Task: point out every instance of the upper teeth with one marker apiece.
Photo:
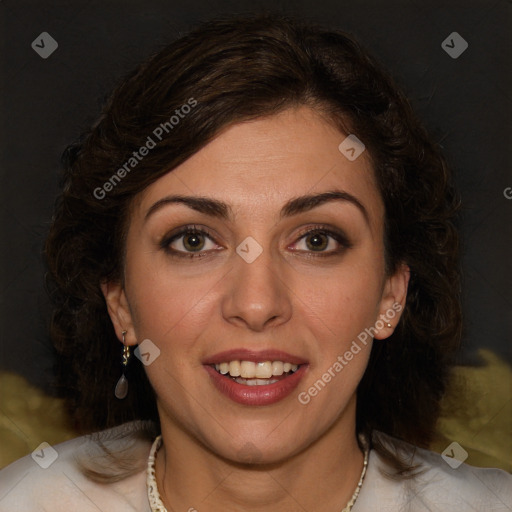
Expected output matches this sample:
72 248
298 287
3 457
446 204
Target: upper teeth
250 369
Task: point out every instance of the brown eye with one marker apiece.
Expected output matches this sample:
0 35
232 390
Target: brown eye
317 242
189 242
193 242
322 241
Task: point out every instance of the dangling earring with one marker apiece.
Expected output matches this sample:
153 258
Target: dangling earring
122 384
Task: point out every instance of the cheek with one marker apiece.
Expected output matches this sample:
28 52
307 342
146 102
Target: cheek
336 311
344 300
166 305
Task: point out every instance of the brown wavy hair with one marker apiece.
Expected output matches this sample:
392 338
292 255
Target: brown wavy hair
239 69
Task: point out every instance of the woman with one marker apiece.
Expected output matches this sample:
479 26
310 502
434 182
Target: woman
255 273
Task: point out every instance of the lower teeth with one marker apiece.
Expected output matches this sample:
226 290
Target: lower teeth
255 382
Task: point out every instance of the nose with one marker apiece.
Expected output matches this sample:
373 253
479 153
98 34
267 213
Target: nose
256 296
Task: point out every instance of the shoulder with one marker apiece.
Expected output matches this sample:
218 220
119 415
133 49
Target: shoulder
437 486
51 478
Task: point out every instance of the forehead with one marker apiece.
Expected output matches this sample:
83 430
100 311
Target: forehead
257 166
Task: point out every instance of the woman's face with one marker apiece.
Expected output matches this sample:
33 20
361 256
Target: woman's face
264 247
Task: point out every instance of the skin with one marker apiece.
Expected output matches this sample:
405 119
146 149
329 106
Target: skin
289 298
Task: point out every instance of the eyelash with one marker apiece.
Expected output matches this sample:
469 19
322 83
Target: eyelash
187 230
338 236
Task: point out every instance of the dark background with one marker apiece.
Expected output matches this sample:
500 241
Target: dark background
46 103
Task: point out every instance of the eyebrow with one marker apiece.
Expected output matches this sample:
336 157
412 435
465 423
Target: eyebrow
211 207
308 202
222 210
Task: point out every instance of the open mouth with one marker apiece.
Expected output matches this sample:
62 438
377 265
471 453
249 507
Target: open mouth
260 373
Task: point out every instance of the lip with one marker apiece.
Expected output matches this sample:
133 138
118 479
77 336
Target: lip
253 355
256 395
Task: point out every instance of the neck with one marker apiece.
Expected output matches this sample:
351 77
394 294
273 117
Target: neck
321 477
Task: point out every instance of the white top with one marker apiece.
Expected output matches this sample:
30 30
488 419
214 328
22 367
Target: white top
26 486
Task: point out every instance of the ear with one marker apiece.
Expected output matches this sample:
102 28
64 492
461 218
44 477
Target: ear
393 302
119 311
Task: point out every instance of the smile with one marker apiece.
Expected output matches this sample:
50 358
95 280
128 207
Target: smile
261 373
255 383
